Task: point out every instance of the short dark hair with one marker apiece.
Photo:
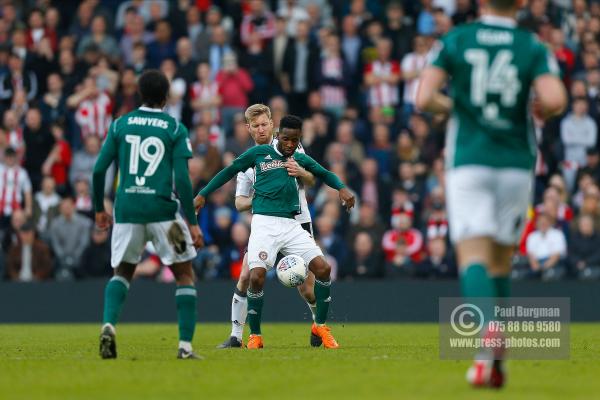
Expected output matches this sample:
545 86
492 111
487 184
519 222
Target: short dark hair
502 4
154 88
10 152
290 122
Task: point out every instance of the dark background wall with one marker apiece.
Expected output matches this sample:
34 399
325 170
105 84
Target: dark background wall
394 301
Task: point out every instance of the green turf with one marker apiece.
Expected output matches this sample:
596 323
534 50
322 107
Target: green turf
391 361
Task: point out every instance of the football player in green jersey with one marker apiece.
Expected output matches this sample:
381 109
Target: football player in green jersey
492 68
260 124
275 204
151 149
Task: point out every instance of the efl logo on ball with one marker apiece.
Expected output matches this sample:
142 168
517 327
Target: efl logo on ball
292 271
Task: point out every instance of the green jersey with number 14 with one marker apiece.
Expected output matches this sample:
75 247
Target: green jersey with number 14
146 141
492 65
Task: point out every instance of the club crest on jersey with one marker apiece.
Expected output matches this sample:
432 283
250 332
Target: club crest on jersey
266 166
263 255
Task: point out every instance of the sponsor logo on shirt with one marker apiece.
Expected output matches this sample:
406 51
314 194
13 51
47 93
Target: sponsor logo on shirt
266 166
139 187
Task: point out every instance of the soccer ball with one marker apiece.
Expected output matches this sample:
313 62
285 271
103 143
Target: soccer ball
292 271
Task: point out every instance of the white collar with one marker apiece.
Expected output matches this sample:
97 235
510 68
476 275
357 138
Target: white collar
497 20
274 145
144 108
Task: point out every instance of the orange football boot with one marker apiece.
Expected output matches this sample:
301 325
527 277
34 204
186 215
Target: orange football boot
255 342
324 332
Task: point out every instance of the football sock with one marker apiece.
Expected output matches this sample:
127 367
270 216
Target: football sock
239 312
255 305
313 309
185 299
114 297
475 282
322 291
502 285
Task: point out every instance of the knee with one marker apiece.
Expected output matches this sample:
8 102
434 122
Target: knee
257 278
125 271
320 268
184 273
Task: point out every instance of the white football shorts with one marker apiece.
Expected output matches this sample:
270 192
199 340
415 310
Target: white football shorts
128 242
271 235
487 202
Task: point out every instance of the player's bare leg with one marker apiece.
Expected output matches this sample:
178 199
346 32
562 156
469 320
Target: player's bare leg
255 304
322 288
307 291
485 272
186 300
239 308
115 294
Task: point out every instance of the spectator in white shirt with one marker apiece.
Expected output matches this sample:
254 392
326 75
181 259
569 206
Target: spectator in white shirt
546 249
578 132
15 188
412 65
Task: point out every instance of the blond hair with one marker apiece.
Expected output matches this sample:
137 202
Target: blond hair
256 110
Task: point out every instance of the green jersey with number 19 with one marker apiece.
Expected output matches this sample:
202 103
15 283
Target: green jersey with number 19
146 141
491 65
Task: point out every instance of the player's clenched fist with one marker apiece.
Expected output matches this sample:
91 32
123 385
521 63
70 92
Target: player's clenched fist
103 220
199 202
197 236
347 198
293 168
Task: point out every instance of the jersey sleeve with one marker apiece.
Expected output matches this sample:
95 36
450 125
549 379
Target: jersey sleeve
544 61
107 154
182 147
317 170
440 54
242 163
244 183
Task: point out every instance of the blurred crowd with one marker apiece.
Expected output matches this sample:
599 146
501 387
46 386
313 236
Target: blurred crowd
350 69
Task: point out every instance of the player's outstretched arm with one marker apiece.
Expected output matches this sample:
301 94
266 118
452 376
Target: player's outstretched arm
105 158
242 163
328 177
184 190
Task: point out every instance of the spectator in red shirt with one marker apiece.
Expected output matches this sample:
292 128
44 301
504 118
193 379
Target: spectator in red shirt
234 85
381 78
403 230
204 94
94 109
258 20
37 31
59 161
564 55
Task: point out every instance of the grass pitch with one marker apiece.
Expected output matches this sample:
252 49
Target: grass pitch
378 361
